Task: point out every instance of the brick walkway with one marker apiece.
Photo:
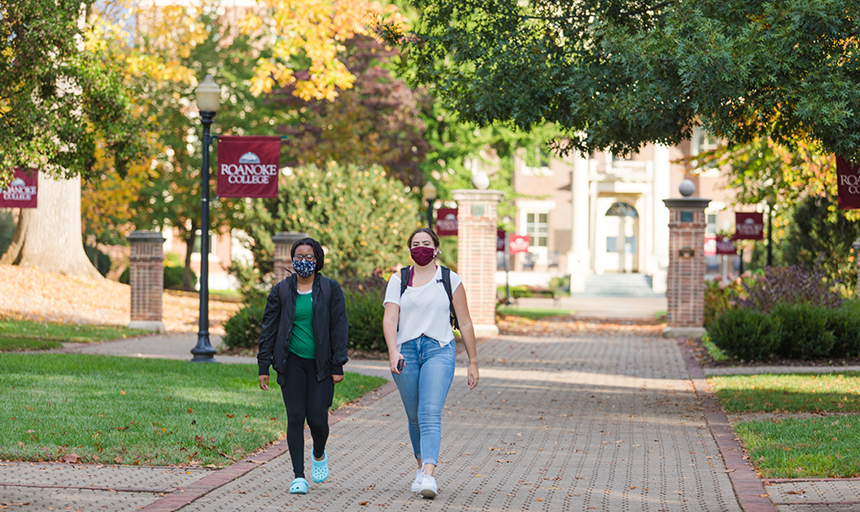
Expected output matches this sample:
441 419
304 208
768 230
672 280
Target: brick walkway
588 422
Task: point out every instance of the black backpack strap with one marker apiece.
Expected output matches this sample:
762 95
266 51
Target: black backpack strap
404 279
446 282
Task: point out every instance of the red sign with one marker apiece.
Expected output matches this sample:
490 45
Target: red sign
519 243
248 166
848 182
749 226
446 222
500 240
22 192
725 246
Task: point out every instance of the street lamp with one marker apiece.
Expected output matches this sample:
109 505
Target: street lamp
770 202
508 221
428 191
208 100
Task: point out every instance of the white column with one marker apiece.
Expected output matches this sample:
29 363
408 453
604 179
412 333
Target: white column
578 257
659 259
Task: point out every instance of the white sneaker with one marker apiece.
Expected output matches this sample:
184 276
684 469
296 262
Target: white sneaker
419 477
428 487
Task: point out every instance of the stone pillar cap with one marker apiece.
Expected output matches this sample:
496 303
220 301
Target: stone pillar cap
687 203
466 194
286 236
146 236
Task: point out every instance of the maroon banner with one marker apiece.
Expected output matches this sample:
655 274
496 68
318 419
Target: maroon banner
500 240
519 243
446 222
248 166
22 192
749 226
848 181
725 246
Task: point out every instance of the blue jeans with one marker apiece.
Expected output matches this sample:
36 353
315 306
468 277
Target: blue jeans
423 386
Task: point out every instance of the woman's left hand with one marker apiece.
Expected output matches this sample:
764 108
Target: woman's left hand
472 374
337 378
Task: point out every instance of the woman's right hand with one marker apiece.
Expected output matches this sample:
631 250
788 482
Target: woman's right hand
393 359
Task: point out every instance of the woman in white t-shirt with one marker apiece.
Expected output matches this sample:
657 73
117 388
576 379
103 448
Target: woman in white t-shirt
420 341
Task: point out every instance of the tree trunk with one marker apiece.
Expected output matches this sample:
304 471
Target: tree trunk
189 246
49 237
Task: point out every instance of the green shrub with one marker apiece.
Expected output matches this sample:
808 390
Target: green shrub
99 259
364 310
243 329
172 277
803 330
845 324
7 230
745 334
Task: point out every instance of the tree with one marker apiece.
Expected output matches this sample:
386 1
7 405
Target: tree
360 215
60 103
377 121
617 75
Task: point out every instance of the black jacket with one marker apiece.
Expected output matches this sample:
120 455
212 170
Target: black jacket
330 328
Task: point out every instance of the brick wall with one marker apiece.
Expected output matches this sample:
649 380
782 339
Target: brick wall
476 263
686 273
146 275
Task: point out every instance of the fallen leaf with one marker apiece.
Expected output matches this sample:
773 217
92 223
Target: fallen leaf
121 392
71 458
362 503
118 459
189 410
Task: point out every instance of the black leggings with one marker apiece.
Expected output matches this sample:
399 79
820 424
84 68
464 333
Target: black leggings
305 397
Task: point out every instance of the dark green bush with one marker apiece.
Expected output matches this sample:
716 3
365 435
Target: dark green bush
99 259
364 310
745 334
7 230
845 324
803 332
242 330
172 278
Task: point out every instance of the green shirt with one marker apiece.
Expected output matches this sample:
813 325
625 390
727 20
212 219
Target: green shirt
302 340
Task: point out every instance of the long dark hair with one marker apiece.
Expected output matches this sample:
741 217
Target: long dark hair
429 231
319 254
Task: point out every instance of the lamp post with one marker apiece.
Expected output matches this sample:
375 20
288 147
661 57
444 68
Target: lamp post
428 191
508 221
208 100
770 202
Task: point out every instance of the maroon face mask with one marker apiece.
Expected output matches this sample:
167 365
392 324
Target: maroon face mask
422 255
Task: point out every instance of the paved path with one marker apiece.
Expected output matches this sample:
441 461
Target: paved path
588 422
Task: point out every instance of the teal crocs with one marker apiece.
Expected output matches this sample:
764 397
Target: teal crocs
299 486
319 468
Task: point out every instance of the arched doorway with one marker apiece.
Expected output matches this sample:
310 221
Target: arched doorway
620 226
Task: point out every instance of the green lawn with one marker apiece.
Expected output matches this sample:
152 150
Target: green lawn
18 335
141 411
808 392
797 447
803 447
533 313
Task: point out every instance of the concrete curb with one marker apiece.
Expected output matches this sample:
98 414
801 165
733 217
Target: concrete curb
748 487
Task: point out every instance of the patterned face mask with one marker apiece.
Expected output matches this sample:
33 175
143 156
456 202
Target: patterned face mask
304 268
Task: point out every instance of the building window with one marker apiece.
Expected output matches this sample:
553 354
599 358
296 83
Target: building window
611 244
711 229
537 227
197 243
621 210
536 161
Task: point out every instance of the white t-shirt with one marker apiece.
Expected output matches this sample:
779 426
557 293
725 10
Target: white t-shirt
424 310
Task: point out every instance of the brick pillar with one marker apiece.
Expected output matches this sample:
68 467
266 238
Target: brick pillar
686 274
146 277
476 264
283 243
856 246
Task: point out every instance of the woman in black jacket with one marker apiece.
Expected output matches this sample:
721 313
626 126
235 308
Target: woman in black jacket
303 338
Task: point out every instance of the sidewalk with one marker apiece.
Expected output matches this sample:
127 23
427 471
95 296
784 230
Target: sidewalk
587 422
